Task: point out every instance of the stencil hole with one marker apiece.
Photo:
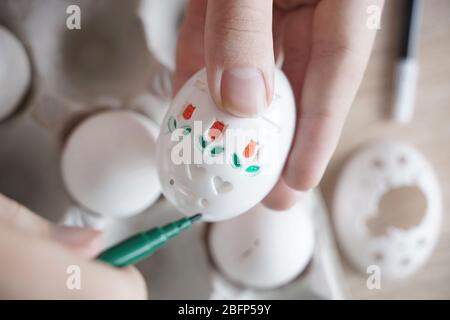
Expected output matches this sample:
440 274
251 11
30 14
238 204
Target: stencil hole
378 163
421 242
402 160
203 203
404 262
221 186
399 208
378 256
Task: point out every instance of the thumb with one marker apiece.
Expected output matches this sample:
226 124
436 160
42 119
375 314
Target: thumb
239 55
86 242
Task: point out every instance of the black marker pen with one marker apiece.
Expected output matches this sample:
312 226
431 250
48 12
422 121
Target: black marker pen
407 70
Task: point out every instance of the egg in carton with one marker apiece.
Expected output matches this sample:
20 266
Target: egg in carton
263 249
15 73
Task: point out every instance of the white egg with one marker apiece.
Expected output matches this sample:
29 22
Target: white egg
263 249
15 73
388 209
161 21
108 163
212 162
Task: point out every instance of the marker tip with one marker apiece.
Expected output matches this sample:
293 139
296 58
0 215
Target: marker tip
195 217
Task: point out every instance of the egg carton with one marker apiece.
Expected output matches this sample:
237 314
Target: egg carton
107 65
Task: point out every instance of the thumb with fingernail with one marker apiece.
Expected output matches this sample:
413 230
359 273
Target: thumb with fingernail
239 55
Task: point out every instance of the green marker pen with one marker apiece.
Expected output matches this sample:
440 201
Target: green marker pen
144 244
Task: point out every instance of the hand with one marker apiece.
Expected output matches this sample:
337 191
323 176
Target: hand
326 45
35 256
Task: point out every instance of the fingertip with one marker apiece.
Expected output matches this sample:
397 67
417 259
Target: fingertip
90 248
281 197
315 141
75 236
122 284
137 289
280 203
302 178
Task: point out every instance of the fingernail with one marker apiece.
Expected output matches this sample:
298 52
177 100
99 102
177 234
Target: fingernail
73 235
243 91
86 242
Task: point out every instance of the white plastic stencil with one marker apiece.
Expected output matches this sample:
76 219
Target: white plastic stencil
108 163
15 73
387 209
262 248
212 162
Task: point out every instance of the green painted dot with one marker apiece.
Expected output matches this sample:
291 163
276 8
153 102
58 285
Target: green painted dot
202 142
186 130
171 124
252 170
214 151
235 162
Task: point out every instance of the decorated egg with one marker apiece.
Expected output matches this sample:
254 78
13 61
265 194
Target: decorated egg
108 163
15 73
261 248
387 210
212 162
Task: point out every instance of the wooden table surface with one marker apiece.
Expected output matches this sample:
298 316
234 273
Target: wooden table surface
429 132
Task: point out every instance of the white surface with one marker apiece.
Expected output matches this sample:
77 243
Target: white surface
262 248
358 192
15 73
199 182
407 74
108 163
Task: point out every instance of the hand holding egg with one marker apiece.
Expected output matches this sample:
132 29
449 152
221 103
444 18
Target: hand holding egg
262 248
108 163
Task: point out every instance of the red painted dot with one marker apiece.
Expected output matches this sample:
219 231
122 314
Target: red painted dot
249 150
188 111
216 130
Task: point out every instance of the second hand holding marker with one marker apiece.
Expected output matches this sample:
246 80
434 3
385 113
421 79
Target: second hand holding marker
144 244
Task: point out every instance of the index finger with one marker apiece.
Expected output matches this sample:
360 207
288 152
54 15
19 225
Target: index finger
326 85
190 47
39 268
